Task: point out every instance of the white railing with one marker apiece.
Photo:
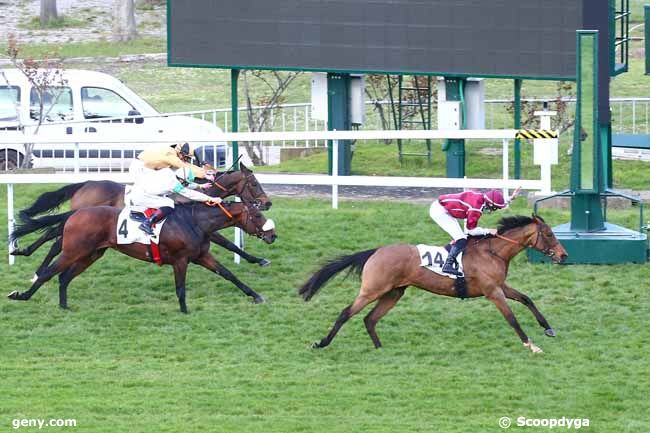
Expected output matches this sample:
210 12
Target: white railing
334 180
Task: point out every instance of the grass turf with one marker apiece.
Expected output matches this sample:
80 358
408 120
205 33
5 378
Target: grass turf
123 358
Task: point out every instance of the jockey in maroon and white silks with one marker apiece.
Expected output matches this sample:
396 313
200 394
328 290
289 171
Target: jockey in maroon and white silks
468 206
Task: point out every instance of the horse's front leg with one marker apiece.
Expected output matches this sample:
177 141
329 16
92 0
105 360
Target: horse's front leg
499 299
516 295
209 262
220 240
180 270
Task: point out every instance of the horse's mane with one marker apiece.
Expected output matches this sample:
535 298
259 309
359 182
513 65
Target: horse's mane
509 223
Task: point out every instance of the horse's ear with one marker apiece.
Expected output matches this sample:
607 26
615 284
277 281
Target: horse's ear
242 167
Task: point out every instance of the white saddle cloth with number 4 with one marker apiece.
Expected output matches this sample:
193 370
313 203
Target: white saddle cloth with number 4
433 258
128 231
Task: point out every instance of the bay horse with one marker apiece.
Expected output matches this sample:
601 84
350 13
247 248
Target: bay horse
387 271
241 183
184 239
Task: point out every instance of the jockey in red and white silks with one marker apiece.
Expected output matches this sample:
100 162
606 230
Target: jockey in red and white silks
468 206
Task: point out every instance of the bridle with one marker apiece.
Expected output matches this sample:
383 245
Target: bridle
546 249
233 189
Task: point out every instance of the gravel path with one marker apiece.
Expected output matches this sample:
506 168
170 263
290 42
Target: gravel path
14 14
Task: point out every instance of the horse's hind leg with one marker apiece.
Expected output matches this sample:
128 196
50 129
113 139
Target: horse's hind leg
359 303
73 271
56 248
56 268
384 304
516 295
29 250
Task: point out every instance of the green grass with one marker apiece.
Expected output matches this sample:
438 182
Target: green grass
63 22
91 49
124 360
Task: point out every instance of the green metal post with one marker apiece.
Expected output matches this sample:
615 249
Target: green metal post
234 110
587 180
646 9
517 108
338 114
455 148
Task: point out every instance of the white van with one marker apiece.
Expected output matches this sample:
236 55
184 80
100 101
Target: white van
88 96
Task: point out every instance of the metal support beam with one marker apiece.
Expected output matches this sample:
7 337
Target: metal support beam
454 88
338 114
517 119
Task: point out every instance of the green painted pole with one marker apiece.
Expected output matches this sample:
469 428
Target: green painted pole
517 119
234 111
455 149
646 9
338 118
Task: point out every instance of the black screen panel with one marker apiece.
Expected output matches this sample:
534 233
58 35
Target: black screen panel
509 38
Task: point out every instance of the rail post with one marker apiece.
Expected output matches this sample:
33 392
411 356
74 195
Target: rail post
335 174
10 218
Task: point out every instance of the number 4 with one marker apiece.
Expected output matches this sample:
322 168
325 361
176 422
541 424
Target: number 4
122 231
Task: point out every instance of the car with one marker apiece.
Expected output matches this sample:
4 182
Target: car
77 107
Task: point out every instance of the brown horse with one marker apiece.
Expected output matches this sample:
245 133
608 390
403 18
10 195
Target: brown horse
387 271
185 238
241 183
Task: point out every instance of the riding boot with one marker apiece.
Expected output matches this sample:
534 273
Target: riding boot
157 216
456 248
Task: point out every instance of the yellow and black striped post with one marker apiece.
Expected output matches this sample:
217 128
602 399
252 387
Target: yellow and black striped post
530 134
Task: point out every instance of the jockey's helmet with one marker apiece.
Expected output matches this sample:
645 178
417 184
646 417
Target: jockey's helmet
186 152
494 199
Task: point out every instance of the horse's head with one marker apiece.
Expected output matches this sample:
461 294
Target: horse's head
251 191
253 222
243 184
543 240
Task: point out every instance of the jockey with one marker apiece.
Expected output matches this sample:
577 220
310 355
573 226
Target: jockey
469 206
155 178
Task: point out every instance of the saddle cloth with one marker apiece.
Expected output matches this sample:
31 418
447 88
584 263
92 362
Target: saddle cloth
433 258
128 231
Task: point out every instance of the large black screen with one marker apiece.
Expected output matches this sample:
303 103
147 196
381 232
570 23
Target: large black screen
509 38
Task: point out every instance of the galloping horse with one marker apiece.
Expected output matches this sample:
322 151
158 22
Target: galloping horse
107 193
387 271
184 238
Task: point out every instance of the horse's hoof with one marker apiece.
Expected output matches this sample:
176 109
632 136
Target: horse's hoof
15 253
533 347
316 345
13 295
64 307
549 332
259 299
264 262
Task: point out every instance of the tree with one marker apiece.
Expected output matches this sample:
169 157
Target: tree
48 12
46 79
258 119
124 20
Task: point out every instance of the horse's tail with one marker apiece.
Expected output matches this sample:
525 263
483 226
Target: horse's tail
50 201
32 225
355 262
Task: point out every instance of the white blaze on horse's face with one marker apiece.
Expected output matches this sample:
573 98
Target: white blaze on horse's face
268 225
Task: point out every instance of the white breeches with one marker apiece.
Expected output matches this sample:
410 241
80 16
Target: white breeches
138 198
448 223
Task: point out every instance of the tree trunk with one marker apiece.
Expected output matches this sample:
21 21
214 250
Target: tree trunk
48 11
124 20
